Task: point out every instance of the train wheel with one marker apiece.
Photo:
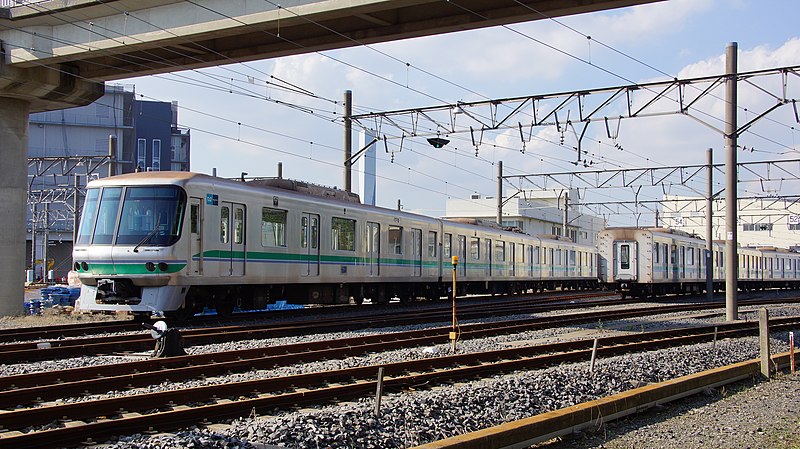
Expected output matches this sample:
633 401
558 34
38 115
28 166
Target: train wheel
225 309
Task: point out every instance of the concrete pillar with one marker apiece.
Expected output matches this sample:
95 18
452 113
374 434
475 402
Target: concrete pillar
13 192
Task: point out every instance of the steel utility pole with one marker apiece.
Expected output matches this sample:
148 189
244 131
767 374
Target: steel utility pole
347 183
709 227
731 198
500 193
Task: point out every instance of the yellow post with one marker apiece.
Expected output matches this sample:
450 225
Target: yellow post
454 331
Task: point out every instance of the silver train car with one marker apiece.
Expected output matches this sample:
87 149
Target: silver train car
176 242
654 261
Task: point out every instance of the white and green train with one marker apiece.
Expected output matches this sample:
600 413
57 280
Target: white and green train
177 242
656 261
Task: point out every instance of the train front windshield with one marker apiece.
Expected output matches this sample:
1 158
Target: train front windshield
147 215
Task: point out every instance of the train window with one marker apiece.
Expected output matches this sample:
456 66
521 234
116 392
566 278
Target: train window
475 248
224 233
151 215
432 243
557 260
87 218
194 219
536 252
691 256
499 251
107 216
489 250
343 234
396 239
522 256
273 227
447 245
673 254
572 258
666 250
238 225
625 257
656 253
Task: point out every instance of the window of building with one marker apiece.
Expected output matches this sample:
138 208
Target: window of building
141 153
343 234
273 227
156 154
396 239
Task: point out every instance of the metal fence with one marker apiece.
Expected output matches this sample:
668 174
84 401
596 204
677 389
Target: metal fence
11 3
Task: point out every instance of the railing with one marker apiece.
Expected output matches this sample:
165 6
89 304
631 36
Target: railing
12 3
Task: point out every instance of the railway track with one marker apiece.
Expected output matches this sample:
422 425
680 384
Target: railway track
64 348
91 421
44 333
132 343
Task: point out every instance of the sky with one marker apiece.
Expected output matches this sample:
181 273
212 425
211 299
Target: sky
240 123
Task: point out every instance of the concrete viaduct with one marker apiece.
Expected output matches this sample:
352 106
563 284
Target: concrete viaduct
56 54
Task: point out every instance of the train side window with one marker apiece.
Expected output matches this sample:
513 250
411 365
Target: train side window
224 232
273 227
572 258
691 256
536 252
499 251
194 219
625 257
447 245
489 249
343 234
238 225
656 253
475 248
432 243
396 239
522 256
673 254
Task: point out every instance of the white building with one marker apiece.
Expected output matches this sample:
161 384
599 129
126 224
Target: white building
533 212
760 222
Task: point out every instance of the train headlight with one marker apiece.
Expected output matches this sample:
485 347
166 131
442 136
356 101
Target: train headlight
150 266
163 266
84 266
77 266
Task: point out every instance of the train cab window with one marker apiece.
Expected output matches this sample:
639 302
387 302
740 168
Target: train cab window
343 234
475 248
224 232
625 257
432 243
273 227
107 216
447 245
88 215
151 215
499 251
396 239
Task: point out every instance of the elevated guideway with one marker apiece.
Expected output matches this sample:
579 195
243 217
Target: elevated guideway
56 54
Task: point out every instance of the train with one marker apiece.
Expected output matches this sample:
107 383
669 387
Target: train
180 242
645 262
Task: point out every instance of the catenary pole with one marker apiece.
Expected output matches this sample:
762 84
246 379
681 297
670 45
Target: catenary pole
731 260
348 141
500 193
709 227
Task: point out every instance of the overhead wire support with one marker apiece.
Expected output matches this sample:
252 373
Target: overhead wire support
652 107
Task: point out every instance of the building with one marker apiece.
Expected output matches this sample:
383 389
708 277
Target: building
532 212
69 147
760 222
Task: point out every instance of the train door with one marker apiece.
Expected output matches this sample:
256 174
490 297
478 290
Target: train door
625 253
195 257
416 250
309 243
232 237
373 249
